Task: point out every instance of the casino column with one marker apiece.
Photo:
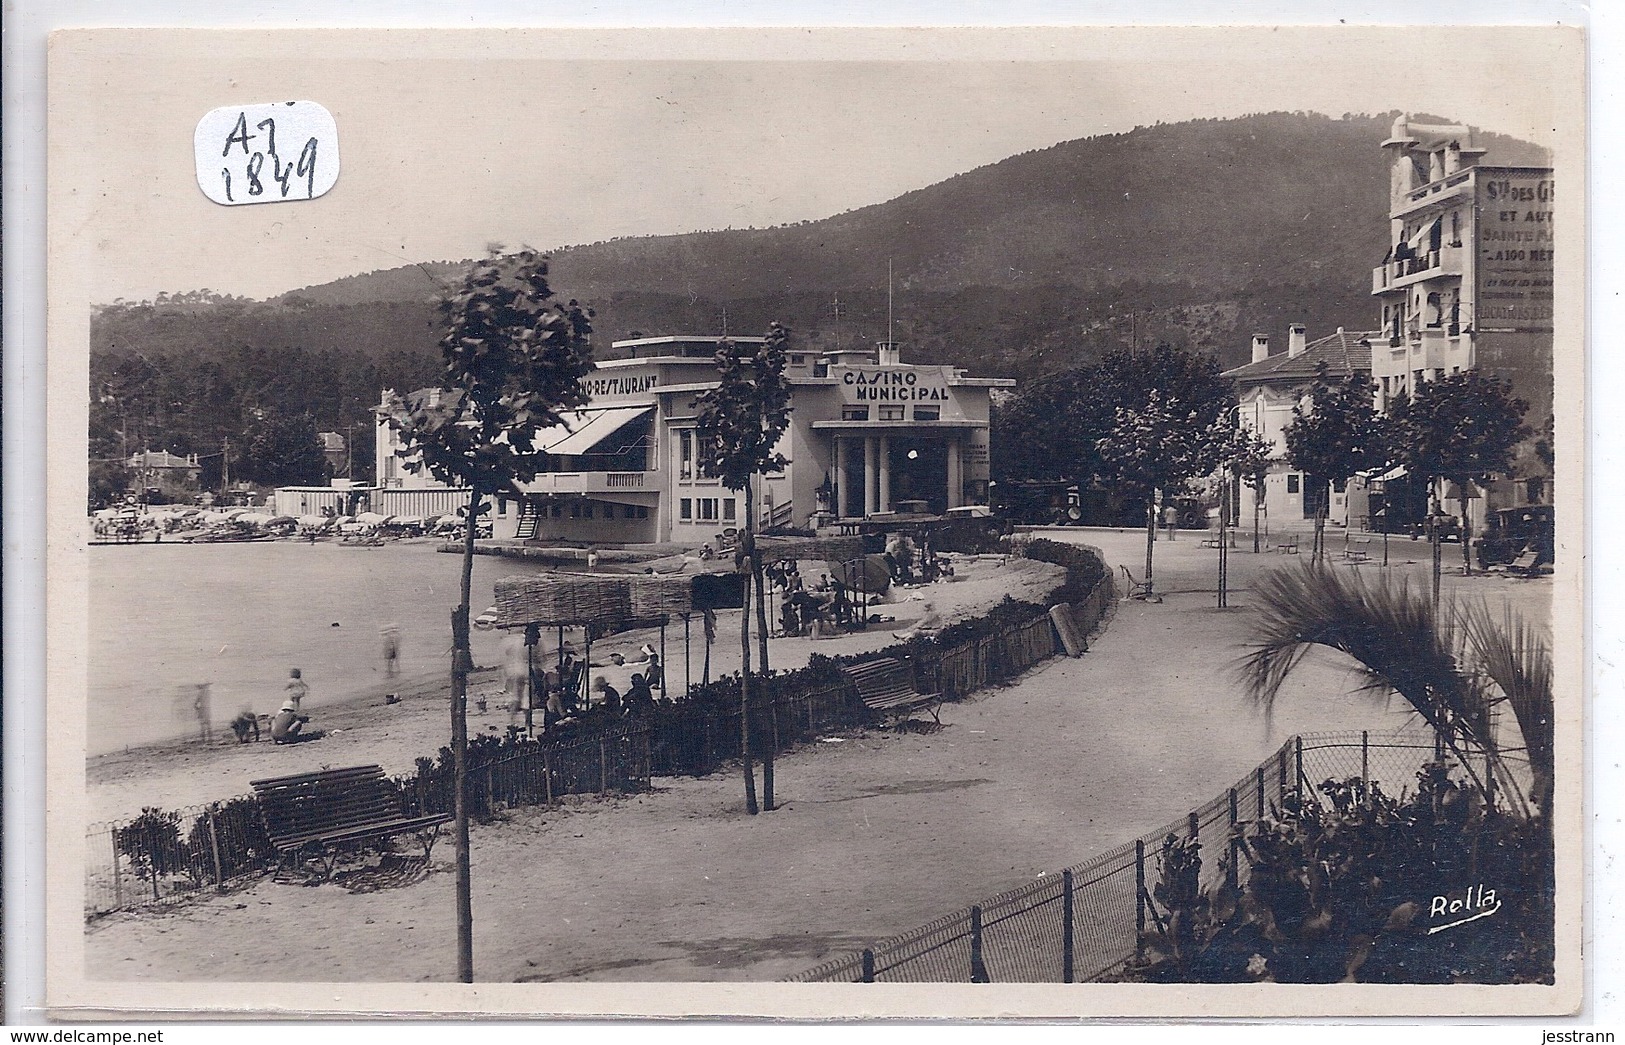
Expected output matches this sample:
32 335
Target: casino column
885 473
869 469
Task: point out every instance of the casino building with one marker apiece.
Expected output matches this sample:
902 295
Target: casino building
870 436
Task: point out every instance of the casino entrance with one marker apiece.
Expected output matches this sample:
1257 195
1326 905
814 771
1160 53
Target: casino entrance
898 470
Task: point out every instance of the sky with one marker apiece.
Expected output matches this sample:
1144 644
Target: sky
450 141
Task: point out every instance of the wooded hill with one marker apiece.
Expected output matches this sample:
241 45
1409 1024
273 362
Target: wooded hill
1194 233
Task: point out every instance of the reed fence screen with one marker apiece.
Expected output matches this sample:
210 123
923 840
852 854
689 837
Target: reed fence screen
1086 921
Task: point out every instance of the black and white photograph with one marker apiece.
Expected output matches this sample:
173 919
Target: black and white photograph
800 522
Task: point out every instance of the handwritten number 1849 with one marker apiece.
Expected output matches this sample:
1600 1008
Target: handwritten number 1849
304 167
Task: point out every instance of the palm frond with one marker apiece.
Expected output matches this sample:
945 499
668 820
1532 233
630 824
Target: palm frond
1390 630
1518 660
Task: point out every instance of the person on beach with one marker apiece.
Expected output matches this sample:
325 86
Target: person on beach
930 623
640 700
592 560
286 726
1170 519
606 695
296 690
515 672
707 553
392 650
655 673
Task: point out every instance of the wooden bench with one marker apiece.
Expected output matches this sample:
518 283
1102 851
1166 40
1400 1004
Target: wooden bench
1526 565
323 812
1288 545
886 687
1138 589
1358 549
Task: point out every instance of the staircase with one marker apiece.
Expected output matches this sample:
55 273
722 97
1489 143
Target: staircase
530 517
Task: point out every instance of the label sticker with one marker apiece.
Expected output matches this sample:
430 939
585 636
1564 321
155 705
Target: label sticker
275 152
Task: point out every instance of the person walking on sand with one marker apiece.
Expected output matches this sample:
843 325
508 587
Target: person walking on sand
296 690
392 650
592 560
515 672
1170 519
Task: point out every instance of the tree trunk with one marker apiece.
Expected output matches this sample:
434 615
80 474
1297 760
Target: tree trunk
745 548
1258 503
1325 498
1466 531
461 662
1150 537
1433 541
758 578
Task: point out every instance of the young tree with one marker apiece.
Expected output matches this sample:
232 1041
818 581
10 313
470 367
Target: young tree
514 359
1248 457
1463 428
1158 447
740 424
1336 433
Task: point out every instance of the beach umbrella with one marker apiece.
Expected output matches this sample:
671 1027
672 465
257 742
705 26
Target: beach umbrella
487 620
253 519
867 573
371 519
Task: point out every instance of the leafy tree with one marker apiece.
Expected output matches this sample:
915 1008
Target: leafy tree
1052 428
1335 432
514 359
1159 446
741 421
1248 457
281 450
1464 428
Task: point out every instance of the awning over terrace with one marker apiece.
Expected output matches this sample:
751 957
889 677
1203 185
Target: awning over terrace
582 430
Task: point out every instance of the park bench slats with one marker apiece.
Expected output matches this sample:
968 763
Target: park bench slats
886 686
333 808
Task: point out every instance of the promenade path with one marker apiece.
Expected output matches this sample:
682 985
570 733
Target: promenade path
877 833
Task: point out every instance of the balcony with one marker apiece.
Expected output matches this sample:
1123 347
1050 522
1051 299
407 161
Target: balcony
553 484
1430 264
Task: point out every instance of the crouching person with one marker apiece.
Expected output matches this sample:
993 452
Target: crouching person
286 726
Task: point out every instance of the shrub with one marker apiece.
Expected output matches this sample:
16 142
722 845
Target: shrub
1345 890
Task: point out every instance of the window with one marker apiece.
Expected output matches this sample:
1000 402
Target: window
728 508
685 509
708 509
892 413
1340 486
1292 481
854 413
928 413
685 455
502 507
558 510
643 513
609 511
798 360
575 510
587 510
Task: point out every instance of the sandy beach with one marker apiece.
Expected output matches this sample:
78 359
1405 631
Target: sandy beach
361 728
878 831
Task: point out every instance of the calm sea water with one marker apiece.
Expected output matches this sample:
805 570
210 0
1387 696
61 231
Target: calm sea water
239 616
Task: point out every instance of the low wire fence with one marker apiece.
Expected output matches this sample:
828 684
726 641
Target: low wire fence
1088 920
166 855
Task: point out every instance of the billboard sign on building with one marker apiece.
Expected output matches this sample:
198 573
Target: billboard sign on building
1515 247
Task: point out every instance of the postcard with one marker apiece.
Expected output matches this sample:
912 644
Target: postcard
816 523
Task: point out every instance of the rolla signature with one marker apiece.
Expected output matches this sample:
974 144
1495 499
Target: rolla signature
1477 901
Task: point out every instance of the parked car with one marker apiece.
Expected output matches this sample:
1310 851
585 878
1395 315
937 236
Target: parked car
1510 532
